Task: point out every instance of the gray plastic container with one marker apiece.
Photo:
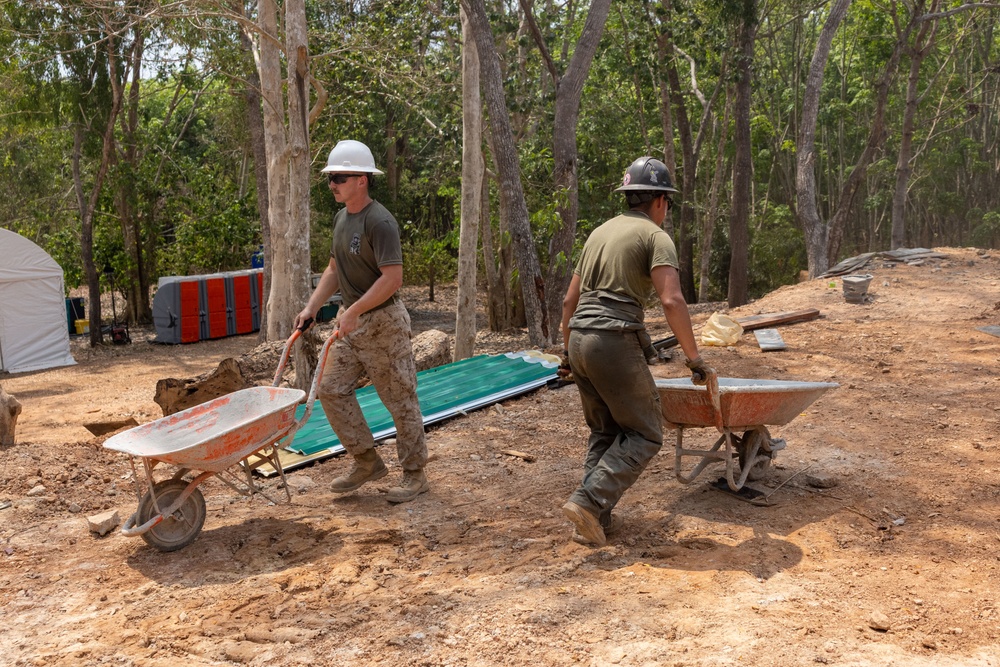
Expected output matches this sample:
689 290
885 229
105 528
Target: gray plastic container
856 287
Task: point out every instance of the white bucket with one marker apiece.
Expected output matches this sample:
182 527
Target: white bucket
856 287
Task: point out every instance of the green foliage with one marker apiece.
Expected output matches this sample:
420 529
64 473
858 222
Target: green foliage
429 260
777 252
63 245
392 73
987 233
212 242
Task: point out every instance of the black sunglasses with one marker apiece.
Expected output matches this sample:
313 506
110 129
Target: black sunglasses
340 179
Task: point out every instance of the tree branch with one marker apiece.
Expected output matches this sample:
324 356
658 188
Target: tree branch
537 34
694 78
957 10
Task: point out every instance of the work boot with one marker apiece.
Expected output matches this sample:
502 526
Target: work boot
586 524
367 467
614 525
414 483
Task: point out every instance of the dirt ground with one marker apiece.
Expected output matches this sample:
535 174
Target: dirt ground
895 565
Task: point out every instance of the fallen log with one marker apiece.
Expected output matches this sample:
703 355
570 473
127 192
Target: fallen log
174 395
103 428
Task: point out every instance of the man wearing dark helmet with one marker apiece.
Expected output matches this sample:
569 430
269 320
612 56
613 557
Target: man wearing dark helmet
624 261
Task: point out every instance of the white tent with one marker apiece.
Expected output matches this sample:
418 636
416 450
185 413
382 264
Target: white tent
34 333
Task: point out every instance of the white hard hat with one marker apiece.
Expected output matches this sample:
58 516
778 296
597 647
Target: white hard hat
351 156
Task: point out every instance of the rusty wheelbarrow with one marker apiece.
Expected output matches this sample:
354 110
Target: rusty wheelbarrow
210 440
741 410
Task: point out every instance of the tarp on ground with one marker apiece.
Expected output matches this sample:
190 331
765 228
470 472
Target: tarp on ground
443 392
33 331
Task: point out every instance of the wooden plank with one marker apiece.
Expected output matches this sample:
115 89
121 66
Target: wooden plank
769 340
752 322
103 428
768 320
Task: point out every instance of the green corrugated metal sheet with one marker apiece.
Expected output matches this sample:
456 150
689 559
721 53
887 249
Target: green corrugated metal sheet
443 392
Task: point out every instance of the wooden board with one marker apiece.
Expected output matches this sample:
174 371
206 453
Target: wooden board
769 340
752 322
767 320
103 428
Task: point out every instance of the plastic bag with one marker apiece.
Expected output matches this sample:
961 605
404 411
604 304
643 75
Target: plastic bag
720 331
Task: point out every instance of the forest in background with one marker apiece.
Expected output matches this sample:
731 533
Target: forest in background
127 128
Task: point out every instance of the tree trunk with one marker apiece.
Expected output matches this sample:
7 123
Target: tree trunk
739 238
136 288
276 146
255 126
667 122
472 189
569 91
815 231
876 138
689 171
708 224
923 42
508 169
296 237
496 293
87 204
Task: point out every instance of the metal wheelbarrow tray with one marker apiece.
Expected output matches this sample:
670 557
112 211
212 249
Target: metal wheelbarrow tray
732 405
210 440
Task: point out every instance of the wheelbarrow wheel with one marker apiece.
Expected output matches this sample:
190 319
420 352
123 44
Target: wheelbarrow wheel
751 439
182 527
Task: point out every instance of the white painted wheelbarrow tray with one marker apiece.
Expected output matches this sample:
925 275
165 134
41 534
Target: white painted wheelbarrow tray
209 440
732 405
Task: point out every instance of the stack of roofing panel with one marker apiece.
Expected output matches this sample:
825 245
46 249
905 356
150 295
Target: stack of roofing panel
187 309
443 392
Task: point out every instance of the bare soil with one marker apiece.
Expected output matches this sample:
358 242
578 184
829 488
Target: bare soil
895 565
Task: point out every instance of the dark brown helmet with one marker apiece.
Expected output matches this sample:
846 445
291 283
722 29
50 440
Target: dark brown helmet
647 174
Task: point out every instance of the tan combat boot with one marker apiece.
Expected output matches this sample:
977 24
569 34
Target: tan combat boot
587 525
613 527
367 467
414 483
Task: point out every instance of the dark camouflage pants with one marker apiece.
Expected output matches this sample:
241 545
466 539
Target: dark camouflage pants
380 347
622 409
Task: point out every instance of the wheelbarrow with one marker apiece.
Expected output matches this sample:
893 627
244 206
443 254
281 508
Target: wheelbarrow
741 410
213 439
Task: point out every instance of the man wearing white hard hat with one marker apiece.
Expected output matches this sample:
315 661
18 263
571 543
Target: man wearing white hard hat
373 328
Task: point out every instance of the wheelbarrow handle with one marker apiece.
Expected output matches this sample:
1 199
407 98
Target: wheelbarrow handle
318 376
712 387
286 351
314 389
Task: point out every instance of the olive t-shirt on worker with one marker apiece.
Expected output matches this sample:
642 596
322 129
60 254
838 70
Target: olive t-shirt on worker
620 255
615 268
363 242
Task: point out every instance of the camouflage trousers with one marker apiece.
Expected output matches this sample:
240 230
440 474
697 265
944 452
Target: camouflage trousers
622 409
380 347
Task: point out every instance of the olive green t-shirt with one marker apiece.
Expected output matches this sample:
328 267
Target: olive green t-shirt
363 242
620 255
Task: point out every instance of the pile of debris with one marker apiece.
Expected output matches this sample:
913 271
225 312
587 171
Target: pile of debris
909 256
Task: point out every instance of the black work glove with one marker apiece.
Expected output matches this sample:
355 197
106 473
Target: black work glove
699 370
564 369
